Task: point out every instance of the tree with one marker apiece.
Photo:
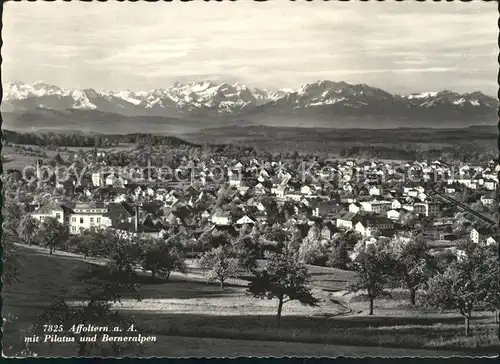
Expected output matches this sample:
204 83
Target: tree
27 229
337 253
220 264
284 279
247 252
11 266
53 234
162 257
95 310
461 286
374 266
312 251
411 261
123 253
491 284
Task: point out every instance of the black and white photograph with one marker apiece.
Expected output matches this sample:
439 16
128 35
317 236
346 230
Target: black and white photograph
226 179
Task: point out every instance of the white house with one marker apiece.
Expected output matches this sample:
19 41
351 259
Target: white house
113 180
395 205
487 200
366 205
369 224
235 179
491 241
259 189
52 210
394 215
348 220
86 216
375 191
205 215
306 190
355 207
97 179
378 207
245 220
222 218
490 185
279 190
479 235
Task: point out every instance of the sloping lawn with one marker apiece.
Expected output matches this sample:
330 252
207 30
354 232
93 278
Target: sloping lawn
195 314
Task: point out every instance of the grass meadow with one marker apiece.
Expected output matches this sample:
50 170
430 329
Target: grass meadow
191 317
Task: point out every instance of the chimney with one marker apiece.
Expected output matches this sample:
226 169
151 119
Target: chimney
136 217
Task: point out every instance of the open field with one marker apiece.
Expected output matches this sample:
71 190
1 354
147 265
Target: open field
15 159
481 138
203 320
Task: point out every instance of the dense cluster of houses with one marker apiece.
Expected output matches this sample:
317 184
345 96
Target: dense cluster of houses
371 198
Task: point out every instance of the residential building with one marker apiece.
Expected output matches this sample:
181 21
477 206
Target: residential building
222 218
245 220
98 179
490 185
375 191
480 235
86 216
355 207
327 209
394 215
378 207
348 220
53 209
367 225
487 200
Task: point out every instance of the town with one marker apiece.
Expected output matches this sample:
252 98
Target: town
371 199
229 215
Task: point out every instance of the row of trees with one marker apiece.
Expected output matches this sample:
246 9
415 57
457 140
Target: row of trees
441 281
464 284
468 283
463 153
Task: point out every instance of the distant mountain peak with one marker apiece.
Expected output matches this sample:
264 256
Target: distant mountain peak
323 99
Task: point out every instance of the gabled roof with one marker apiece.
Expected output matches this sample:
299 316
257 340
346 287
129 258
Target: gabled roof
51 206
244 219
484 231
128 226
222 214
152 207
350 216
373 220
116 210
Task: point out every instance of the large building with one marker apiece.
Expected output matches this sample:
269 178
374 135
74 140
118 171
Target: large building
53 209
86 216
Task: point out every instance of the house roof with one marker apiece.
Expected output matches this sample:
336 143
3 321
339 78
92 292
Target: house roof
222 214
483 231
373 220
152 207
92 205
141 228
245 218
51 206
488 196
350 216
115 210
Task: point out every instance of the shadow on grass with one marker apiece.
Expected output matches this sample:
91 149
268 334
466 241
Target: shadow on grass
349 331
158 287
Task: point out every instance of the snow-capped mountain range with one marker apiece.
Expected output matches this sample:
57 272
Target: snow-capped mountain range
327 101
176 100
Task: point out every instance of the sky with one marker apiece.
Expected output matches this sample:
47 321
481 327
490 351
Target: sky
401 47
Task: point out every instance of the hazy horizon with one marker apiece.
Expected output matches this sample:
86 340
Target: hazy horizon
404 47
